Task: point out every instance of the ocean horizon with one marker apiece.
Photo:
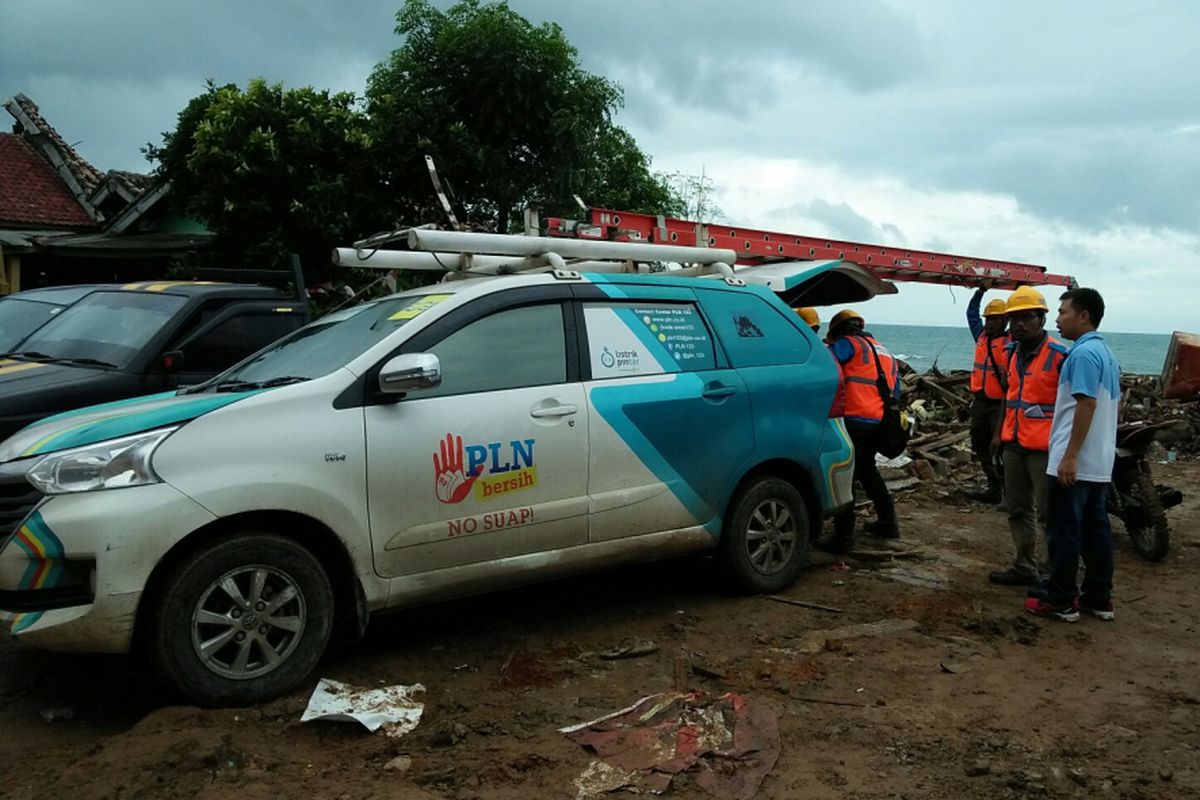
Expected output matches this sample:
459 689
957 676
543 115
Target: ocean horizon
950 347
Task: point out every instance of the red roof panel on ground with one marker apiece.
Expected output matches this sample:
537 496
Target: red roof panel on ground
31 193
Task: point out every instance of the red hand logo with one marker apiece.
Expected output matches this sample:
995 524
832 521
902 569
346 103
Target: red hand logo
450 482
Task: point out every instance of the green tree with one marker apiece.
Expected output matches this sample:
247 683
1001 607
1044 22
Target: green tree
508 114
173 156
618 176
272 171
691 196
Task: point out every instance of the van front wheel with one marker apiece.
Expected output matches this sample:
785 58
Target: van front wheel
242 620
765 540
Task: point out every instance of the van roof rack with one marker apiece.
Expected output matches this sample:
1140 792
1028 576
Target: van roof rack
464 254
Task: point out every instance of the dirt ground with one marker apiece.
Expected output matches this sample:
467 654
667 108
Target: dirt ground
978 700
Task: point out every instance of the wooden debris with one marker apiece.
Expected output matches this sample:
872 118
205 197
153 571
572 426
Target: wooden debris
947 395
942 404
887 555
683 664
803 604
827 702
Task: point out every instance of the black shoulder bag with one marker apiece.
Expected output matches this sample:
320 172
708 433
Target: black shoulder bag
892 437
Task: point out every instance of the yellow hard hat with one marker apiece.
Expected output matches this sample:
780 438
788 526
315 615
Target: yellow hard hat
843 315
809 315
1026 298
995 308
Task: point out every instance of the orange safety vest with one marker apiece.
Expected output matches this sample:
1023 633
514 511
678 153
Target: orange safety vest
1029 406
989 365
862 389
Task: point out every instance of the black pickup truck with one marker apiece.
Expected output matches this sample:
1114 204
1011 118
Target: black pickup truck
123 341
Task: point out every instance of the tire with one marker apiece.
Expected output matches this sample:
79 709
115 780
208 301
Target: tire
218 650
1147 525
765 541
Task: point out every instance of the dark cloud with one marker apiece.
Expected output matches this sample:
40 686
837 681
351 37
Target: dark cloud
1082 113
114 75
230 40
693 53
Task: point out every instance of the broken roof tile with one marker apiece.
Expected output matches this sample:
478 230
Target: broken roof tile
31 192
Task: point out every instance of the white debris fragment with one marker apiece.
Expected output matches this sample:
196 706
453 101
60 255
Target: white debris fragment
391 708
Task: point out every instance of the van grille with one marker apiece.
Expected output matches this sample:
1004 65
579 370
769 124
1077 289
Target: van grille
17 499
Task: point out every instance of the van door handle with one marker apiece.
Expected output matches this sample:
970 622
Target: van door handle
717 391
564 410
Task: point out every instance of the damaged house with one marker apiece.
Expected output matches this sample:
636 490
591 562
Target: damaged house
63 221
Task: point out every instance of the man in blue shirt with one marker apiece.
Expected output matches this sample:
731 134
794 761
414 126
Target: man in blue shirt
1082 450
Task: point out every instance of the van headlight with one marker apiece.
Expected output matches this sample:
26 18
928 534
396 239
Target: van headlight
113 464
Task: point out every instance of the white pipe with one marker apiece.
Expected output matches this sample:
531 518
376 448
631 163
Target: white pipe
502 244
407 259
496 265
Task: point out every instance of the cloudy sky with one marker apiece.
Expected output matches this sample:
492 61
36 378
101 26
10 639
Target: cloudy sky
1058 133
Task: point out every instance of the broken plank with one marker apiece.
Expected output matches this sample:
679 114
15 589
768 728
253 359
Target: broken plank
826 702
932 458
803 604
886 555
944 440
947 395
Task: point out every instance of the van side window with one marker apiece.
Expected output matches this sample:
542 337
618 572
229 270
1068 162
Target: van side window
754 332
510 349
626 339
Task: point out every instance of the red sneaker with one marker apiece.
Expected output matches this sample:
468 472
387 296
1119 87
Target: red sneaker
1102 610
1043 608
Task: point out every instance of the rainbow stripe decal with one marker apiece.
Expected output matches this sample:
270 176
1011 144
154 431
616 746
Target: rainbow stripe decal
126 423
839 427
44 552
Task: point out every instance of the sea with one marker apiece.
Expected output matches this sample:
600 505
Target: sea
951 347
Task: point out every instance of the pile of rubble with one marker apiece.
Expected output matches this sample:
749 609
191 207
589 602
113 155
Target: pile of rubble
940 405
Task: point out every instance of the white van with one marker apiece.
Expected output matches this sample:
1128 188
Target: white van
436 443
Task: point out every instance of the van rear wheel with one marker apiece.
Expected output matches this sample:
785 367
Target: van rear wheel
243 620
765 541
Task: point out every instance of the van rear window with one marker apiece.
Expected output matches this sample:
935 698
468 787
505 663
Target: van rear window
646 338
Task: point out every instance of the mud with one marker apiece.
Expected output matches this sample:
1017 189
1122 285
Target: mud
946 689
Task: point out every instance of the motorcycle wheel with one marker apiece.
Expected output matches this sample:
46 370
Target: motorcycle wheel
1149 531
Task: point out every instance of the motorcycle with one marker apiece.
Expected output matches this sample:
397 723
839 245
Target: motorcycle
1135 498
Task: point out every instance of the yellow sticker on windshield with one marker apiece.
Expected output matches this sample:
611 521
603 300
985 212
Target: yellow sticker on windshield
423 304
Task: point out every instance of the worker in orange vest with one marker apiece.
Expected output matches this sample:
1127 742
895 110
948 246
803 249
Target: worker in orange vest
811 318
1033 362
988 386
862 361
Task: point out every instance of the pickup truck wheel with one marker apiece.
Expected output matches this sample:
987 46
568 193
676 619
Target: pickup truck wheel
765 540
241 621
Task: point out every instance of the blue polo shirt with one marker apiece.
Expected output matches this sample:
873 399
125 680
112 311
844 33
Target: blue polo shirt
1090 370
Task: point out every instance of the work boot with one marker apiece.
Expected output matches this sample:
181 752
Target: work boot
994 493
841 541
884 529
1011 577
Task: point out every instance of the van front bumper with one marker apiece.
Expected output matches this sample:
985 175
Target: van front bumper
73 570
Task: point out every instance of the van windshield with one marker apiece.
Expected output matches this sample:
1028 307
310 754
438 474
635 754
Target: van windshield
325 345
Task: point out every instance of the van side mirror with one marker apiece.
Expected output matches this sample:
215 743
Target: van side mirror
171 361
410 371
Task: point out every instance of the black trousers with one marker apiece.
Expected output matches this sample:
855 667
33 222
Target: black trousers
862 436
984 416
